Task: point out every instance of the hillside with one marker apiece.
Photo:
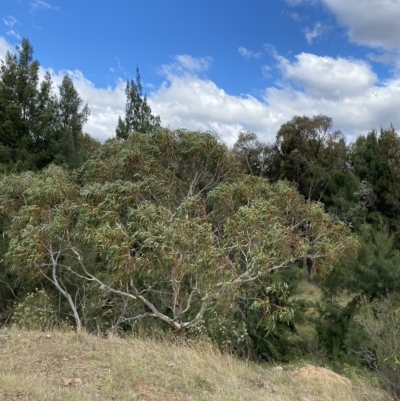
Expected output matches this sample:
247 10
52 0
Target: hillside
63 366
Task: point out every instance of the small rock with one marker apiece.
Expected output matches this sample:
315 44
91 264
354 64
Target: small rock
66 381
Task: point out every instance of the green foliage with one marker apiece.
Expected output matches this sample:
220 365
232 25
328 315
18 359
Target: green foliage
373 272
35 312
138 116
37 127
381 321
70 118
309 154
375 160
19 76
250 153
376 271
163 225
172 225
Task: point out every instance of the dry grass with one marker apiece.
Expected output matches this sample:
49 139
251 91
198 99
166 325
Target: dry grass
63 366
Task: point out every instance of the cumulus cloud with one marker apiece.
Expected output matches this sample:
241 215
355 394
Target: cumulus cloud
345 89
248 54
4 48
374 108
374 24
327 77
199 104
105 104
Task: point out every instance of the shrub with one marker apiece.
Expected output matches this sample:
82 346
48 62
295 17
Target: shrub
35 312
381 320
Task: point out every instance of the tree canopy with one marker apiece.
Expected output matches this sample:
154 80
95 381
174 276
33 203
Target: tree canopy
37 126
138 115
165 244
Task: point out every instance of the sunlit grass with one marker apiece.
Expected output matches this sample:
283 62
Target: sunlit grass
64 366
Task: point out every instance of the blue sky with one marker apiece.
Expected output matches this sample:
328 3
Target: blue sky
221 66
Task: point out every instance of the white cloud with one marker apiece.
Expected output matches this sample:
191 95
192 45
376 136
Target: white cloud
40 4
346 90
248 54
199 104
193 64
14 33
374 23
4 48
374 108
185 64
266 71
295 16
326 77
105 104
313 33
297 2
10 21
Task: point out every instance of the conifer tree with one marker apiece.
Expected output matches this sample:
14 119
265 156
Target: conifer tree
19 76
138 115
71 117
38 127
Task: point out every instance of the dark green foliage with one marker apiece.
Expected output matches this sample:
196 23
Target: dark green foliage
376 271
138 116
381 322
309 154
347 197
70 120
338 333
375 161
37 127
373 272
19 76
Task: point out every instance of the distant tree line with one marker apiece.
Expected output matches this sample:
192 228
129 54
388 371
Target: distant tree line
37 126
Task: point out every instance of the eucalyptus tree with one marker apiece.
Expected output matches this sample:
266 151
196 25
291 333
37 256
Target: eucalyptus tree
309 153
175 234
250 153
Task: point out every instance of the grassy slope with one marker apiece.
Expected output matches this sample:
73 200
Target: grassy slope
42 366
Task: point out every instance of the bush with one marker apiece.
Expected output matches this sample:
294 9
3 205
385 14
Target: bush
381 321
35 312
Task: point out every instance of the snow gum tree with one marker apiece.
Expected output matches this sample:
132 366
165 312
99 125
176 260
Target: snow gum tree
165 224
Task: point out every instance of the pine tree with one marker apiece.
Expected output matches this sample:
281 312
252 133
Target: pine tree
71 117
138 116
19 77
